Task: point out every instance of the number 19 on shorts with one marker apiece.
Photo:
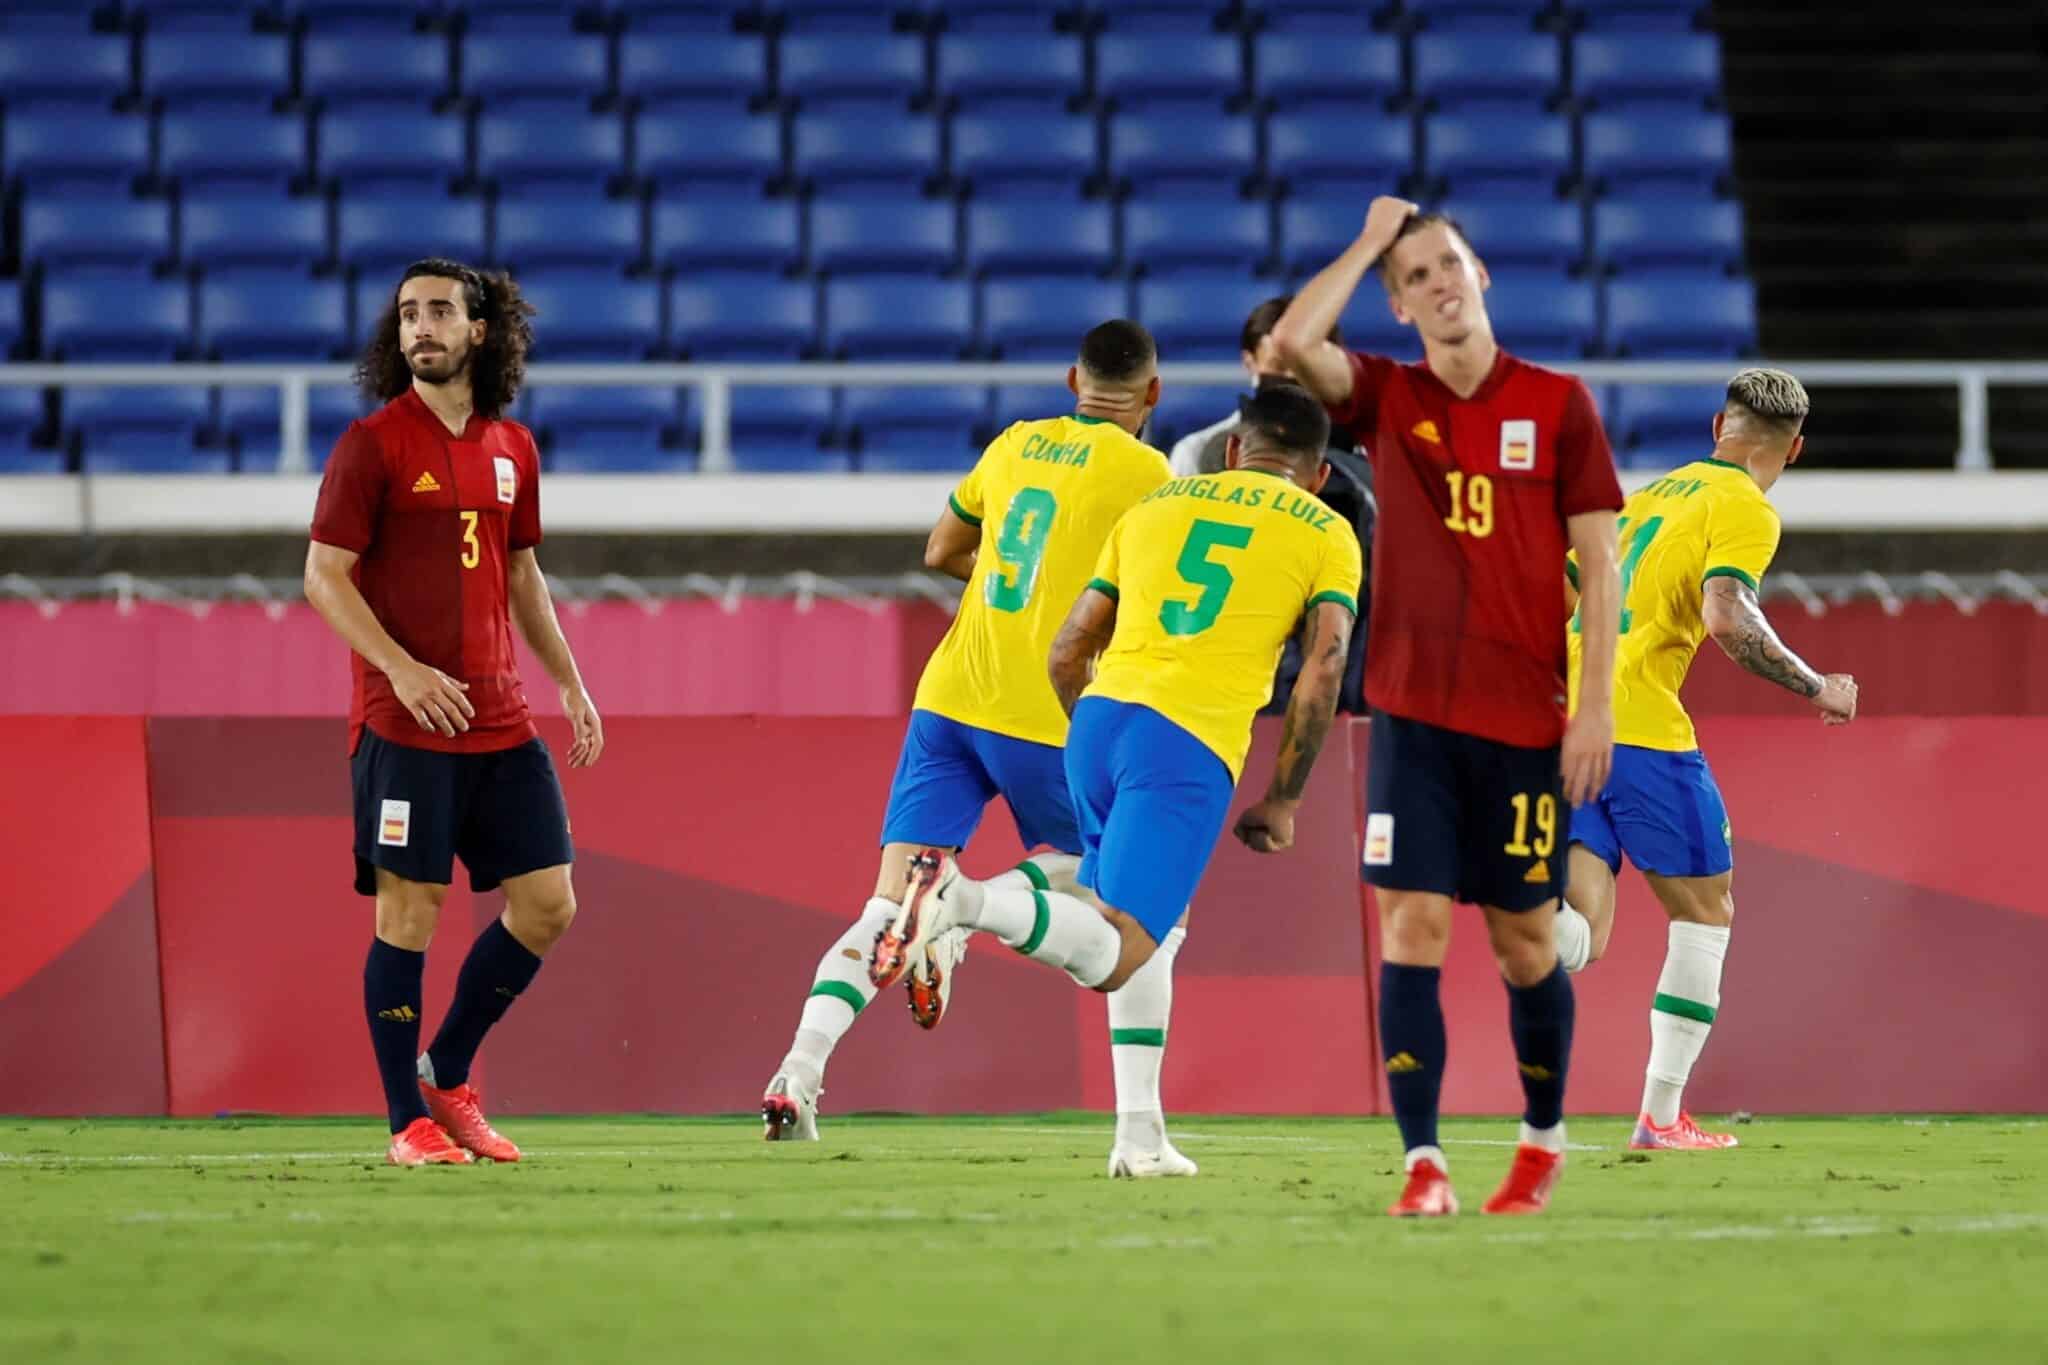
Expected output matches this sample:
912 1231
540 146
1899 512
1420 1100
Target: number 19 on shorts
1544 809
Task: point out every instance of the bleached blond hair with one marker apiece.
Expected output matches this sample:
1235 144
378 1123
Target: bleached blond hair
1772 395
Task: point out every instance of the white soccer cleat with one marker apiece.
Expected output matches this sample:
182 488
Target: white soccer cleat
926 913
1134 1163
789 1112
931 977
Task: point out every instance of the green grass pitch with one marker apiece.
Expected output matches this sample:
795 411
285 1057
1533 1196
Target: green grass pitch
1000 1239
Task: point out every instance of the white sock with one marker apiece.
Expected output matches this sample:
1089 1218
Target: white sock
1417 1155
1574 938
839 993
1550 1139
1682 1015
1045 926
1138 1014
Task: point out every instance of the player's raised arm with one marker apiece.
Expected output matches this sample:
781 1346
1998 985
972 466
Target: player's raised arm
1588 750
1736 620
951 548
1086 633
1298 344
1268 827
533 611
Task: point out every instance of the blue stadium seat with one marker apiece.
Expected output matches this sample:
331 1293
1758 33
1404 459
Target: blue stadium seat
1540 313
208 147
385 12
782 429
1315 230
678 143
94 229
270 314
1522 229
365 144
1664 415
1044 317
742 317
974 67
215 63
600 430
384 227
1496 15
1198 314
1190 148
98 314
1667 15
12 323
567 230
1015 403
371 294
51 144
563 65
1173 230
380 65
1132 68
1687 147
24 420
1487 65
815 66
558 143
240 227
845 144
1370 325
142 430
599 452
1002 16
1011 236
727 231
912 429
1615 67
1160 16
1352 147
72 66
882 232
1680 313
730 66
1185 408
1521 149
1289 68
1018 152
585 314
898 317
1667 230
250 417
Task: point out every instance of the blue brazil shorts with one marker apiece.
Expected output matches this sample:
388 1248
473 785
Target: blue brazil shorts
1663 811
949 772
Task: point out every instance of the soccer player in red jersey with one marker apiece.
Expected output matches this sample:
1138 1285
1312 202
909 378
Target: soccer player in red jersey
1487 469
422 561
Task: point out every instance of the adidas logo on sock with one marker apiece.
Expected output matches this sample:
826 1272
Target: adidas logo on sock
1402 1063
402 1014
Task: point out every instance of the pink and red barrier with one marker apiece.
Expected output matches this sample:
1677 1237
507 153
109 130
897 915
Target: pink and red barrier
187 941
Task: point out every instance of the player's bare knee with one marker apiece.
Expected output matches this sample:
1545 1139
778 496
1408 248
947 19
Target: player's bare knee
407 913
539 922
1414 932
1524 945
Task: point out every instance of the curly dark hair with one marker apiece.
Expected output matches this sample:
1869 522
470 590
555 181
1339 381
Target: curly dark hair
496 368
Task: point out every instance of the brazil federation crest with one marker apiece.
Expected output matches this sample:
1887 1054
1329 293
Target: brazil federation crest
1518 444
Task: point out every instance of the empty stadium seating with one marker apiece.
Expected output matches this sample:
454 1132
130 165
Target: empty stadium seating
788 179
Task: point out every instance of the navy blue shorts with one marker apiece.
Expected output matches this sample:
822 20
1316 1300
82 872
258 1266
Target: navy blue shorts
1473 819
418 810
1663 810
1152 800
949 772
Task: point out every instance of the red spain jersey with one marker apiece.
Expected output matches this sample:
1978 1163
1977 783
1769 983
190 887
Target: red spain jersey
436 519
1468 618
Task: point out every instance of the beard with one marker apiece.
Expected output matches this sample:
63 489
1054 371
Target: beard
438 367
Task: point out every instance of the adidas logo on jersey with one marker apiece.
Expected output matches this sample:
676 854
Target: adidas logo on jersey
1537 874
1426 430
425 483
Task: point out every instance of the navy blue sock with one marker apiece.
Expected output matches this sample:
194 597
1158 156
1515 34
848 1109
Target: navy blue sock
1412 1044
497 969
391 999
1540 1018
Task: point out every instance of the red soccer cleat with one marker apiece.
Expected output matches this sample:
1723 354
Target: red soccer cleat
1428 1194
1682 1136
460 1111
1530 1180
424 1143
918 919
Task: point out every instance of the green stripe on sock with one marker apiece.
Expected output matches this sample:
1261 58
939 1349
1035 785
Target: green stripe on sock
1035 875
839 990
1137 1037
1684 1009
1040 922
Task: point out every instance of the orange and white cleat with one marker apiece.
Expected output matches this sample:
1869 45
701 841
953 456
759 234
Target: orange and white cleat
424 1142
918 919
1682 1136
460 1111
1428 1194
1530 1180
931 977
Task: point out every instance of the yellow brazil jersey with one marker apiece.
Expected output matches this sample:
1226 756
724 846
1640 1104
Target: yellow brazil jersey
1704 520
1211 575
1045 495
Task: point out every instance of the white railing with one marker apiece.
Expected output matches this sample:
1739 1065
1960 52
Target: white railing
714 384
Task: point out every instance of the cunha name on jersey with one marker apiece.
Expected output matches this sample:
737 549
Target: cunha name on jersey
1285 501
1037 447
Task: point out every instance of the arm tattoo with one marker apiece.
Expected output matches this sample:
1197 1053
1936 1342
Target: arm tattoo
1754 645
1311 710
1074 652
